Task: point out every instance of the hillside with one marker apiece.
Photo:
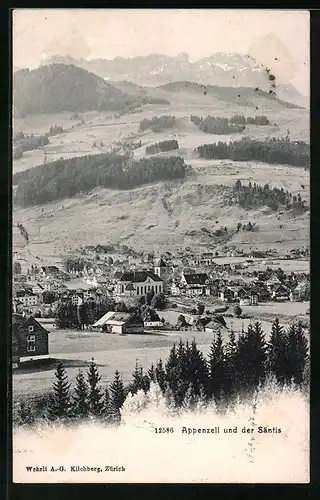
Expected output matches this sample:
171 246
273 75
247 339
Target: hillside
171 214
242 96
58 87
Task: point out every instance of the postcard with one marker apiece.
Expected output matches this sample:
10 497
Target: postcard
160 246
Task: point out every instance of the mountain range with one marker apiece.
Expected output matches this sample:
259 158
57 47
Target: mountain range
220 69
59 87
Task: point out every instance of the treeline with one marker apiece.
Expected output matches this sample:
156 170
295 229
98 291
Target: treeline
216 125
296 153
161 147
70 176
233 369
22 143
253 196
55 130
250 120
157 124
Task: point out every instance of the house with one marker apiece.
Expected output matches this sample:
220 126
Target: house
30 340
205 259
273 283
232 293
52 272
301 291
260 289
138 283
27 298
195 284
49 270
76 298
37 288
118 322
215 327
280 293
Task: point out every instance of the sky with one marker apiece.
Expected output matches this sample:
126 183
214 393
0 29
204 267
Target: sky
278 39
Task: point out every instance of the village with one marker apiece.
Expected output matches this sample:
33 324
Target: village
120 291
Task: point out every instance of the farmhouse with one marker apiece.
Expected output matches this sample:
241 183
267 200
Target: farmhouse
29 339
137 283
118 322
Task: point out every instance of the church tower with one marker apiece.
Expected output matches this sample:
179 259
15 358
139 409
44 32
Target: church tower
161 270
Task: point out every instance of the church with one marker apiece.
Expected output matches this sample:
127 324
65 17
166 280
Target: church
137 283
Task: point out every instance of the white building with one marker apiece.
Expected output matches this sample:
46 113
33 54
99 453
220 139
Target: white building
138 283
28 298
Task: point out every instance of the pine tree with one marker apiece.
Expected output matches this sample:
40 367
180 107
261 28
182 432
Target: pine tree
80 406
182 373
118 396
216 368
161 375
277 352
95 394
152 373
198 370
171 369
59 404
230 352
297 353
251 358
137 379
107 410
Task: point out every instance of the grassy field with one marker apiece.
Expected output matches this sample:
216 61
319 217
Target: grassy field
113 352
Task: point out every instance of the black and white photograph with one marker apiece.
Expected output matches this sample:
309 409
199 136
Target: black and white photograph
160 246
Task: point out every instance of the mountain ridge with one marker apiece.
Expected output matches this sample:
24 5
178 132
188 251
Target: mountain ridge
225 69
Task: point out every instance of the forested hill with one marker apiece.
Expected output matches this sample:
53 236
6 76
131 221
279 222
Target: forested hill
68 177
60 87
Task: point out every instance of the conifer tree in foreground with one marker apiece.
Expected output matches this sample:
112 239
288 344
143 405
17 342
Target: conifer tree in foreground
139 380
297 354
251 358
95 393
59 404
80 406
118 395
199 369
171 369
152 373
230 352
107 411
182 373
277 352
216 368
161 375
